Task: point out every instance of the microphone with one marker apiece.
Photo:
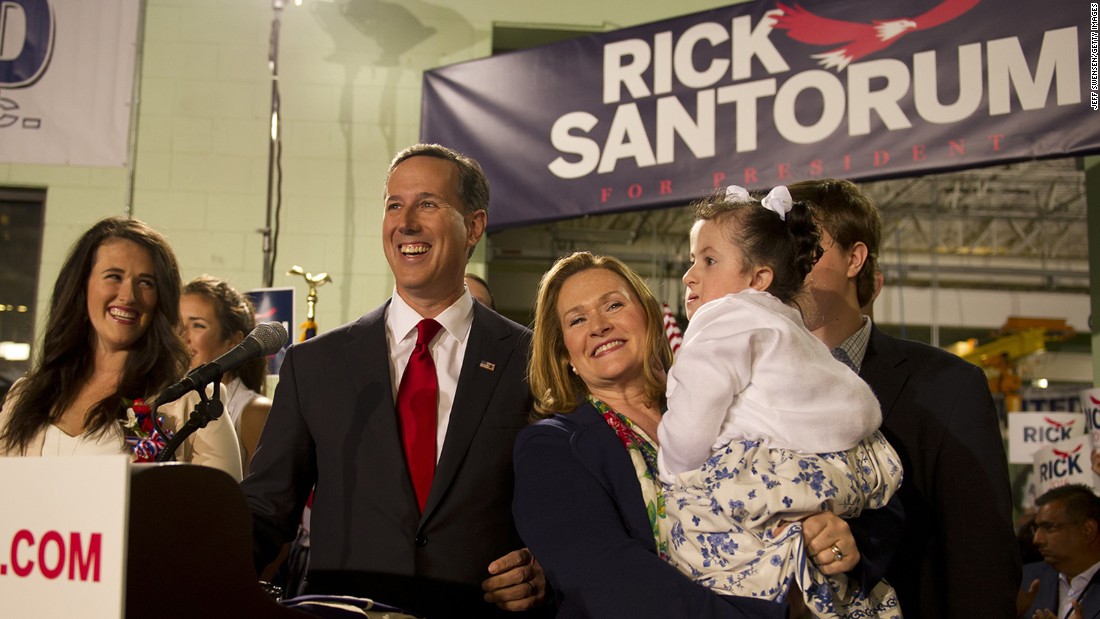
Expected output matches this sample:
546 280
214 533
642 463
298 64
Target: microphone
266 339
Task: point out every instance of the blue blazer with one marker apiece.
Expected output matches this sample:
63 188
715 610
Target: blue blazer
957 556
1048 591
333 424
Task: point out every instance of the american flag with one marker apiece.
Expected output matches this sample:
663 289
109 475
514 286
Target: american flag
672 328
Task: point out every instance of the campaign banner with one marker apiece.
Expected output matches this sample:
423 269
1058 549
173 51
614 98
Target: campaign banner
766 93
1090 405
1028 432
63 536
1064 462
66 80
1057 398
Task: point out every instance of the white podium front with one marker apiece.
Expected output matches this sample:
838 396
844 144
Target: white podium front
63 536
97 537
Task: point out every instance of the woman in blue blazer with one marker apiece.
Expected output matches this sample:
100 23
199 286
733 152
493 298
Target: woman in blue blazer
586 499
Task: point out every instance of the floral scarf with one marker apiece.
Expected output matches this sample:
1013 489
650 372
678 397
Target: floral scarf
643 453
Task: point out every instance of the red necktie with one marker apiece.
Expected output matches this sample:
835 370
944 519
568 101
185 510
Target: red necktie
416 406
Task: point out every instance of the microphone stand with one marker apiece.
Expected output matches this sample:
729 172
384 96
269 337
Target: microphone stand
207 410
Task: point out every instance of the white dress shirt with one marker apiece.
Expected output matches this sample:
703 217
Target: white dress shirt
448 349
1072 588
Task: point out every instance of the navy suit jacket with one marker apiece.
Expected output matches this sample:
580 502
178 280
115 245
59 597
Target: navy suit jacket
957 556
333 424
1048 591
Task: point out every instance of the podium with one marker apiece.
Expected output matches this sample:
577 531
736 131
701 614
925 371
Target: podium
99 538
189 547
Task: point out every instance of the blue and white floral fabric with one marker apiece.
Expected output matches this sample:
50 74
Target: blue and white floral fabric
720 521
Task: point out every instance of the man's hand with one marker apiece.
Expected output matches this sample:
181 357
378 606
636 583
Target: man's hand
830 543
517 582
1049 614
1024 599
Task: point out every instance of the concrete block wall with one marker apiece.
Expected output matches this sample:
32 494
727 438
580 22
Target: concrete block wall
350 77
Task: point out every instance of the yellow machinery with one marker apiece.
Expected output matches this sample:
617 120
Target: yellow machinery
1019 337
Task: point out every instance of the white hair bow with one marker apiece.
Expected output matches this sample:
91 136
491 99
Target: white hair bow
778 200
737 194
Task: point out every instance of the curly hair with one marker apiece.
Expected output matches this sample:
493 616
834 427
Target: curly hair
234 313
789 246
555 388
65 362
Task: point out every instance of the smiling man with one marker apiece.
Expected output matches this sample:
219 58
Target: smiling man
404 420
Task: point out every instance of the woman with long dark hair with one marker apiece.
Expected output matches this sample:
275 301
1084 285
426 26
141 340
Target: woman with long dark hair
215 319
111 343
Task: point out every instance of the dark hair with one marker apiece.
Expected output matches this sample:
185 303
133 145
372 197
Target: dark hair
473 187
65 362
234 314
485 285
789 246
555 388
1079 501
850 217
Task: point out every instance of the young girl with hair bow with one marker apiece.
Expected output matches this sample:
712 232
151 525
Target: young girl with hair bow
764 426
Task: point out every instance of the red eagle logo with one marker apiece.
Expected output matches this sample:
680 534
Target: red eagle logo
1095 402
856 40
1058 424
1066 454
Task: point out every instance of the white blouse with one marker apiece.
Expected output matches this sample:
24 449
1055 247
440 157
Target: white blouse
214 446
57 443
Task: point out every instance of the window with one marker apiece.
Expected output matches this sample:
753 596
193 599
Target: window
22 215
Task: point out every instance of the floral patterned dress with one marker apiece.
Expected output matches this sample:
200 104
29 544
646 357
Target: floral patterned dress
720 521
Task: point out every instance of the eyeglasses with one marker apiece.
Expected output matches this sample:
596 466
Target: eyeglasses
1049 527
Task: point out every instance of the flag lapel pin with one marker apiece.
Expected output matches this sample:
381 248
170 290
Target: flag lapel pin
486 365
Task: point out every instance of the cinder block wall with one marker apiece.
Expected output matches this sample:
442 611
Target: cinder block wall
350 82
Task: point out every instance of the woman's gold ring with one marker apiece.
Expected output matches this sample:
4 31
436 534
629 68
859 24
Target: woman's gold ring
837 555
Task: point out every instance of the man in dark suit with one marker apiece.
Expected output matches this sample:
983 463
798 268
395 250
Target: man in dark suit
1067 533
957 555
425 526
